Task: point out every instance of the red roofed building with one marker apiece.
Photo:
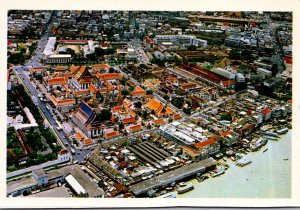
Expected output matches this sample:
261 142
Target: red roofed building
246 129
186 150
208 147
116 109
128 120
176 116
159 121
37 70
111 134
56 82
87 142
158 108
148 42
77 42
135 128
208 76
101 67
64 155
289 60
266 114
63 105
110 76
138 92
60 68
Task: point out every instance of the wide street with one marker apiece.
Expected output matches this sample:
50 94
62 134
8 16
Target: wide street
21 72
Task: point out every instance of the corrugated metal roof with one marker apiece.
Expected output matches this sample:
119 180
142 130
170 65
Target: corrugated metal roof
75 185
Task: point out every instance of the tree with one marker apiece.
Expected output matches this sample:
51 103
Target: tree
226 117
187 110
138 104
240 86
149 92
105 114
121 126
125 92
70 51
192 48
247 56
178 102
18 151
234 54
166 97
274 69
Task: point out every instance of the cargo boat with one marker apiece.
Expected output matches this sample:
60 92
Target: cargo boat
219 172
283 131
271 138
244 161
185 188
169 195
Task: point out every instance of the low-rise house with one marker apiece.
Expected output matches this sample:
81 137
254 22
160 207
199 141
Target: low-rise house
63 105
53 83
187 150
208 147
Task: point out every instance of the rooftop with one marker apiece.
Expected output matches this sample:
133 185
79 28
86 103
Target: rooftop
61 192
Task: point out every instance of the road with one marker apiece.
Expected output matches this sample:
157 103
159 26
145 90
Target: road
23 76
141 55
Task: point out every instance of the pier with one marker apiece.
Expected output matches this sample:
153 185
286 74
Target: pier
172 176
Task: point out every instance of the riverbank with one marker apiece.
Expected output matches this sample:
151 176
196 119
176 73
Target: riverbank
268 176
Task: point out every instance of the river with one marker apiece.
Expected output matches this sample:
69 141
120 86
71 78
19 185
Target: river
268 176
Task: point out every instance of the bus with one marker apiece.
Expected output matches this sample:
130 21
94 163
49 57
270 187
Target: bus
59 127
72 151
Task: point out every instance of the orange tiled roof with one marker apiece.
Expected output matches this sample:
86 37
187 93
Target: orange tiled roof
148 96
8 74
176 116
205 143
111 134
128 120
73 68
79 136
81 92
158 108
92 88
67 75
116 108
159 121
104 90
63 152
148 40
191 150
101 66
131 83
228 82
138 91
135 128
87 141
110 76
227 133
58 81
62 102
60 68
